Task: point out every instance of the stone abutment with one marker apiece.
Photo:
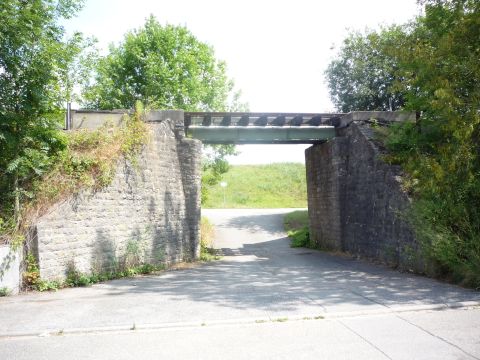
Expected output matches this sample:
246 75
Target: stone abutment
355 200
150 213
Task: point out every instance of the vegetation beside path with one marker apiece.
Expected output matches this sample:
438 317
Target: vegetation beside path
428 65
127 269
296 226
278 185
207 251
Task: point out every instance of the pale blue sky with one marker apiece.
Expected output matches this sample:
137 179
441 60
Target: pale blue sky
276 51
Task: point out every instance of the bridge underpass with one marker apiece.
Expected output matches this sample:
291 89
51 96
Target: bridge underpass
354 197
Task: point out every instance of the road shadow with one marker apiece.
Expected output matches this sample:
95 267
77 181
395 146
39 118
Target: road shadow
256 277
268 223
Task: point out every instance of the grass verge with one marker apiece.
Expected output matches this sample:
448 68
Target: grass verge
207 252
75 278
296 226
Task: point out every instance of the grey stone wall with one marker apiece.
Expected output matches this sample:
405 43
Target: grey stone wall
149 213
326 167
355 200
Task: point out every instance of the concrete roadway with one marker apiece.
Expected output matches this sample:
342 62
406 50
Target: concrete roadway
263 300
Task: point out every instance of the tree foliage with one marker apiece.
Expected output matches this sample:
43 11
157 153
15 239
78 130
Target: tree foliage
437 71
363 74
214 165
440 63
33 58
165 67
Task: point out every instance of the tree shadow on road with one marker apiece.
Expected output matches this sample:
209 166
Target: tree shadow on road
269 223
255 280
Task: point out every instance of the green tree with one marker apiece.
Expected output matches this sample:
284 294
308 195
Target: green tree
165 67
214 165
363 75
439 61
32 61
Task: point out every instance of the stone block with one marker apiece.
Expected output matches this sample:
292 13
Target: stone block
10 276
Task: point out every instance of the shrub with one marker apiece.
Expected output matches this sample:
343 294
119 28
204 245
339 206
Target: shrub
296 226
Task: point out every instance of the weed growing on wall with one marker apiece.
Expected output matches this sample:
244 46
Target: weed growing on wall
31 277
75 278
89 161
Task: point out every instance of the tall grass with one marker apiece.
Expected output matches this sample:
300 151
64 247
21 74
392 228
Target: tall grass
207 251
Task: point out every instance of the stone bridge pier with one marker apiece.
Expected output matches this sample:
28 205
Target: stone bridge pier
355 199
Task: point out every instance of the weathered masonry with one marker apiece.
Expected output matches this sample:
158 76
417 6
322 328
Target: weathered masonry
151 210
355 200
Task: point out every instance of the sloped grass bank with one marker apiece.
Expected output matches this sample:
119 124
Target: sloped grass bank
278 185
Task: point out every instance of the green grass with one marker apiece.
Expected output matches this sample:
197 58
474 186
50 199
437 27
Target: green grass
280 185
296 226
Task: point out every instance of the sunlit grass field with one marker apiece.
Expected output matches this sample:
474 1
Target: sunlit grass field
279 185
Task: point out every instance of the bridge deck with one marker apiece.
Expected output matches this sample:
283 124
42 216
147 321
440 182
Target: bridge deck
260 128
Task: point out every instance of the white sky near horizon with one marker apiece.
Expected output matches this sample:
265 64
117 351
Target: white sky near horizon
276 51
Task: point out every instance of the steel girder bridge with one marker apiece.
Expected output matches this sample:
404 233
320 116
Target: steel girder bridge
261 128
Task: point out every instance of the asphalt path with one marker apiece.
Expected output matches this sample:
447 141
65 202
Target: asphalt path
263 300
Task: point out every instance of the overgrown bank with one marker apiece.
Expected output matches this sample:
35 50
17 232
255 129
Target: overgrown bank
87 160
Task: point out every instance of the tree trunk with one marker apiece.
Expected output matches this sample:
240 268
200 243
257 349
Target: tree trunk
17 213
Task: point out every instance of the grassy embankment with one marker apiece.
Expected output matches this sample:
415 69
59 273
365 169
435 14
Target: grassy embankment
280 185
